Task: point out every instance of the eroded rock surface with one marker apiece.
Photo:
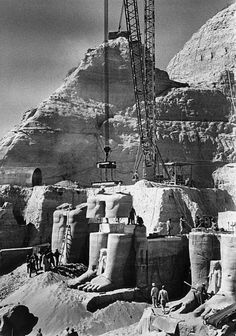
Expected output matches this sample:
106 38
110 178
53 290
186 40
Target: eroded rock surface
63 136
209 53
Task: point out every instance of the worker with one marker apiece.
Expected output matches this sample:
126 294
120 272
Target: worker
57 255
36 258
182 225
39 333
32 266
197 222
50 257
46 263
163 298
28 263
131 219
139 221
214 225
201 294
168 226
154 295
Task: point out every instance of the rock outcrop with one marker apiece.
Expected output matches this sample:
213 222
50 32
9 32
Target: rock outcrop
209 54
63 136
225 179
11 233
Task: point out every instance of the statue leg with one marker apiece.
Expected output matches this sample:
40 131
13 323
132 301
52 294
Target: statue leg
118 254
97 240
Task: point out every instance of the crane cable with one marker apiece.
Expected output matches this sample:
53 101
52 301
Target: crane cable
121 17
138 158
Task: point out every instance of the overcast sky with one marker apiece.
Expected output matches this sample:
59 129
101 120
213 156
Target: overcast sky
41 40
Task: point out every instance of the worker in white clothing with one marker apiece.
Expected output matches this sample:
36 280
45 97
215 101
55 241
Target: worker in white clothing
163 298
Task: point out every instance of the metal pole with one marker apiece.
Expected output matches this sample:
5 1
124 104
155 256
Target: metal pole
106 85
106 78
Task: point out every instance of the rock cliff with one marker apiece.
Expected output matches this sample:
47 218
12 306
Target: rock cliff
208 58
63 136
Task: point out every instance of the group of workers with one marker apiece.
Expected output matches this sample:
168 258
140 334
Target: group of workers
206 222
159 297
45 260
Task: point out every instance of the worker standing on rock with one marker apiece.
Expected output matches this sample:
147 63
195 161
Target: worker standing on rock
163 298
46 263
182 225
168 227
154 295
36 258
50 258
32 266
28 263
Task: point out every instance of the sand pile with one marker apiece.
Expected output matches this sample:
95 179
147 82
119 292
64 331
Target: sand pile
47 297
118 315
12 281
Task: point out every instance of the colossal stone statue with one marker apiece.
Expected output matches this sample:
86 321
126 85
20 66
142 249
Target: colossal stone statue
97 241
118 252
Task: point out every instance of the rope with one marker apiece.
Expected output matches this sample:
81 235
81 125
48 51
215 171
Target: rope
137 158
121 17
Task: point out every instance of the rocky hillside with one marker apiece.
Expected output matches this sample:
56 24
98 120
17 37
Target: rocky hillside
63 136
209 53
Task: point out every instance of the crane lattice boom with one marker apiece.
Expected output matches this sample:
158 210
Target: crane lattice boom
137 65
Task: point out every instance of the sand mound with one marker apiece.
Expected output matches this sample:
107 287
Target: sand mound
117 315
47 297
12 281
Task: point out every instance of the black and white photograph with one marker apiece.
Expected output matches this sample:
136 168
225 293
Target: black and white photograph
118 167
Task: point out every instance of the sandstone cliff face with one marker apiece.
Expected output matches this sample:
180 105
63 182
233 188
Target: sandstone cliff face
209 53
63 136
11 233
225 179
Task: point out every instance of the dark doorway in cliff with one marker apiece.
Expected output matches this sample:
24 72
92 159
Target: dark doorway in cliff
37 177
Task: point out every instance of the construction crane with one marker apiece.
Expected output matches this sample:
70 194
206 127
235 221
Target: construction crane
106 165
143 72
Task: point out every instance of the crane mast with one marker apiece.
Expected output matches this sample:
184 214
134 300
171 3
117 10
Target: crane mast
137 66
143 72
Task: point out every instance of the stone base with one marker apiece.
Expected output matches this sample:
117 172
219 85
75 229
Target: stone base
111 228
94 301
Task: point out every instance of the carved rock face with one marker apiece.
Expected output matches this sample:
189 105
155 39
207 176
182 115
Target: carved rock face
209 53
63 136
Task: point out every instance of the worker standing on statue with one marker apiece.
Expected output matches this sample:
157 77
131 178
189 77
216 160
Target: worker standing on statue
154 295
168 227
163 298
57 255
182 225
131 219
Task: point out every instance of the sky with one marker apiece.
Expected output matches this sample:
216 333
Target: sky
41 40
